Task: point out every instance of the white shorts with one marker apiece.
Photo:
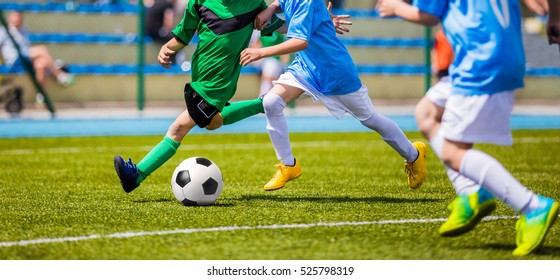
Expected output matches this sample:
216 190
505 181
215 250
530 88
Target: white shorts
440 92
358 104
479 119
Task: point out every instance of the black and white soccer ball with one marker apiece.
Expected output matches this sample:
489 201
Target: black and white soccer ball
197 181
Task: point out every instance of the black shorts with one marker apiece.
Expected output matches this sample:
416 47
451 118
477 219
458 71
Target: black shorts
199 110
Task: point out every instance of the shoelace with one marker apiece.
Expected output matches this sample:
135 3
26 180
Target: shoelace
280 168
131 166
409 169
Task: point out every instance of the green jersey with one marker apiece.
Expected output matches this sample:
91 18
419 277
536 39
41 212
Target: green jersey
224 28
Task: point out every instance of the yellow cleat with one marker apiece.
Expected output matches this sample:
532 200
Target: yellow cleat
416 170
533 227
282 176
467 211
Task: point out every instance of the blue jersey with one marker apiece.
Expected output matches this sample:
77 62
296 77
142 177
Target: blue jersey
486 39
326 64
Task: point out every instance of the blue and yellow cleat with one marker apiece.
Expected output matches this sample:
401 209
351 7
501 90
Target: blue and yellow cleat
127 172
283 175
467 211
532 227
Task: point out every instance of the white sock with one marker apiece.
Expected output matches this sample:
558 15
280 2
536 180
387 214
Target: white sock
277 127
462 184
488 172
392 135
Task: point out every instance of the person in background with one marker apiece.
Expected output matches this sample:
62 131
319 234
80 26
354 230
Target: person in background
160 21
38 55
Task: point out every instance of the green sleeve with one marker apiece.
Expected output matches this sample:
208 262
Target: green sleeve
186 28
275 23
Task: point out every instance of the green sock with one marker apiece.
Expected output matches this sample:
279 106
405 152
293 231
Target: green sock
237 111
159 154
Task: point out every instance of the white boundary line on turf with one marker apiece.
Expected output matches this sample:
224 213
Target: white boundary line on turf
22 243
265 145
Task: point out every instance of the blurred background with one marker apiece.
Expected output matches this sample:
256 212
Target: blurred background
110 48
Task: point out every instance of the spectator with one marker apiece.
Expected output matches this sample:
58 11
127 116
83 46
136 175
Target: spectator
38 55
337 4
160 20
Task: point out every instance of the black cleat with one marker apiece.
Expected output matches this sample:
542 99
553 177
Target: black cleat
127 172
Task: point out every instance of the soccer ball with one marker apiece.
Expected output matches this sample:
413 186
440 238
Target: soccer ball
197 181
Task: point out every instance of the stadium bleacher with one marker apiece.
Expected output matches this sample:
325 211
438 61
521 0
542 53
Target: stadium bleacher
99 44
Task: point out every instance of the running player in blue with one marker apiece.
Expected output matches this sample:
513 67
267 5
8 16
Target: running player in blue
323 69
489 66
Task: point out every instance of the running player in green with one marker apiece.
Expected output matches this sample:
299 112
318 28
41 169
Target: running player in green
224 28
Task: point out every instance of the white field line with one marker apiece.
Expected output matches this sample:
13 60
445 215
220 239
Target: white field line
250 146
22 243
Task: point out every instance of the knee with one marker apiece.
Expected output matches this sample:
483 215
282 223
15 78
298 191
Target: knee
39 65
428 117
216 122
273 104
452 156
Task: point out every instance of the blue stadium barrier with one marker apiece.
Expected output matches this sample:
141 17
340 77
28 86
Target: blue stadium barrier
88 8
93 38
543 72
85 8
156 69
86 38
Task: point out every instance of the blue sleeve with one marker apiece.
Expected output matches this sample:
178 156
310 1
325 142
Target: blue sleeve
433 7
301 23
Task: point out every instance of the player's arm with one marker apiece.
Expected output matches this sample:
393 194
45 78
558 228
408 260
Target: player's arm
540 7
170 48
389 8
292 45
264 17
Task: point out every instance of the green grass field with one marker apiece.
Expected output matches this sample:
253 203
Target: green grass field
351 203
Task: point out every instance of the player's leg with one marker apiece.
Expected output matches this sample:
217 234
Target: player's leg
236 111
472 202
360 106
274 103
132 175
538 212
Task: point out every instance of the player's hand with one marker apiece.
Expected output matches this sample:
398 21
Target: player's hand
387 8
338 21
249 55
540 7
263 18
164 56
